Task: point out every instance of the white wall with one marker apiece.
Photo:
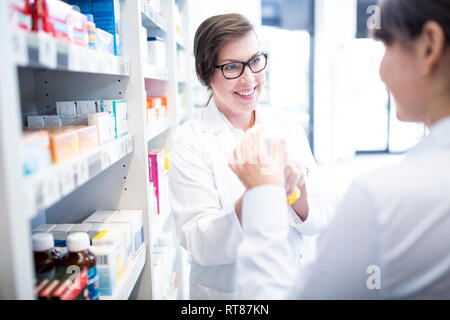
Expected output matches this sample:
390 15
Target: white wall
335 29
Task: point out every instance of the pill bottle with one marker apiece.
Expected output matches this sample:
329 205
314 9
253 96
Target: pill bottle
80 255
46 258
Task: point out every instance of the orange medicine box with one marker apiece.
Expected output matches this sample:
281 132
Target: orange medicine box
87 137
64 144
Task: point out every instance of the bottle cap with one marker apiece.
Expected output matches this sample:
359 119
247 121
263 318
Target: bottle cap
42 241
78 241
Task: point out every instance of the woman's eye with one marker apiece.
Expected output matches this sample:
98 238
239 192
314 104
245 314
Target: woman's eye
231 67
256 61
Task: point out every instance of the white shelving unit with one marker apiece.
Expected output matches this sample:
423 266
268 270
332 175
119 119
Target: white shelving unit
36 72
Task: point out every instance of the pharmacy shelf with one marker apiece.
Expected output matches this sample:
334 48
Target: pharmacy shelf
40 50
155 128
129 279
47 187
155 25
157 73
180 41
158 223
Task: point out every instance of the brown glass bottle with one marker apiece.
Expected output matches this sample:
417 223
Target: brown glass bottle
46 258
80 255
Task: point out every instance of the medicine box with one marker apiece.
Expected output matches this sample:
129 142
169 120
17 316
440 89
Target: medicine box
156 47
119 109
125 223
52 121
86 106
113 237
43 228
20 14
87 137
82 120
66 108
35 121
136 219
35 150
156 171
60 233
53 17
100 216
64 144
80 227
104 123
69 121
79 29
106 16
106 267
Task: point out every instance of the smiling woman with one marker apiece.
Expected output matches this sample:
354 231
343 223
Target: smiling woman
206 196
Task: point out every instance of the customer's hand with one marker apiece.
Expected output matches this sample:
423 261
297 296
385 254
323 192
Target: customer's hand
294 174
254 165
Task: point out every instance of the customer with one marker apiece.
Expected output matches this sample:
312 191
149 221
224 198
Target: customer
206 196
390 236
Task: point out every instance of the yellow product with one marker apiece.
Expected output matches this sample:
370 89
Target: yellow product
64 144
114 237
167 160
87 136
294 196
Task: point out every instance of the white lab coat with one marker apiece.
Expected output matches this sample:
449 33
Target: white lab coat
389 239
203 191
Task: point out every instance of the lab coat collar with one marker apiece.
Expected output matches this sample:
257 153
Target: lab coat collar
214 120
440 132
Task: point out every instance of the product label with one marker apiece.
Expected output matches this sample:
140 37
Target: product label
93 283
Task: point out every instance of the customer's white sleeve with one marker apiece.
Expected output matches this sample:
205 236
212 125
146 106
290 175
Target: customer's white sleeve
266 265
347 264
209 232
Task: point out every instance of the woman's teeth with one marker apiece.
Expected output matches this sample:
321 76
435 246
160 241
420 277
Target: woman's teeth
245 93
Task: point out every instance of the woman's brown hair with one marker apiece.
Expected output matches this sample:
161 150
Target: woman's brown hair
209 39
403 20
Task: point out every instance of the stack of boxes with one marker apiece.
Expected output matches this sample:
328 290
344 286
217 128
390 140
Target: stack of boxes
116 238
156 109
77 126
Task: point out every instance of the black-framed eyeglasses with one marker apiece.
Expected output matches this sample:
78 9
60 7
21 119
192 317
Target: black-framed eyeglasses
234 70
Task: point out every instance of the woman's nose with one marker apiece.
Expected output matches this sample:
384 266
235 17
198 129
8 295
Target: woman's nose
248 75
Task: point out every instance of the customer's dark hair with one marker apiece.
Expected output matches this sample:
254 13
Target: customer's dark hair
211 36
403 20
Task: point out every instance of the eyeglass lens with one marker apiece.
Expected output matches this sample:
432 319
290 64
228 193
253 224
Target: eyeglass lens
234 70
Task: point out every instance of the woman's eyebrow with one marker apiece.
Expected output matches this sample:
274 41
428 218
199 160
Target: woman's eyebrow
234 60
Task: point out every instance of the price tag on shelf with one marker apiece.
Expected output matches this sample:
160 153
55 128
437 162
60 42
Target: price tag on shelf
51 188
129 144
74 58
105 158
85 59
82 171
20 48
95 164
67 179
47 50
100 57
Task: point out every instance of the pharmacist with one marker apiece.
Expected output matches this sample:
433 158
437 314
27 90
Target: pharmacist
206 196
390 236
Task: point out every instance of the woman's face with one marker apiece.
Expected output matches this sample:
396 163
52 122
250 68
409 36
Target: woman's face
238 96
399 70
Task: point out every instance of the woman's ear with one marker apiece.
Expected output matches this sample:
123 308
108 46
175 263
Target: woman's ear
431 47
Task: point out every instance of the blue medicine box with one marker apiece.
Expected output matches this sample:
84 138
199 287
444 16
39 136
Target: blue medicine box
106 16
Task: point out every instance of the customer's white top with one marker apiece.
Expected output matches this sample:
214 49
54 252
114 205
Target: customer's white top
203 191
391 231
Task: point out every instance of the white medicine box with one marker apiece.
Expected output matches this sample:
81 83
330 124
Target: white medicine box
156 51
